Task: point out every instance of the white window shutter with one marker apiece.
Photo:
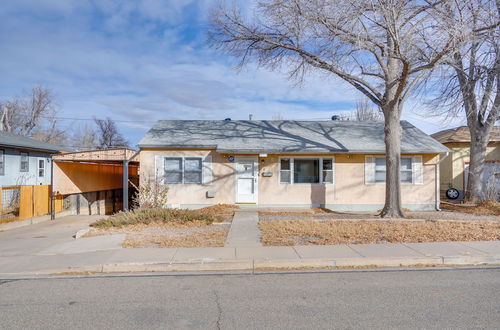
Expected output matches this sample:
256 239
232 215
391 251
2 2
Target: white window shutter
417 170
369 170
207 170
160 169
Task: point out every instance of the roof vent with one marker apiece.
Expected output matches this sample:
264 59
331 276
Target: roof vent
227 119
335 117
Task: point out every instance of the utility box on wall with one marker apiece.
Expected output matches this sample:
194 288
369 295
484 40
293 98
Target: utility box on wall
211 193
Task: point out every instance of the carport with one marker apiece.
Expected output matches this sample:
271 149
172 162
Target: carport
91 182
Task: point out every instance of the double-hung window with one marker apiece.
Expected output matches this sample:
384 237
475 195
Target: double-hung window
41 168
406 169
192 171
2 162
306 170
25 164
183 170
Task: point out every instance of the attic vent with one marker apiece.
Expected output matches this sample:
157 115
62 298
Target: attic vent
227 119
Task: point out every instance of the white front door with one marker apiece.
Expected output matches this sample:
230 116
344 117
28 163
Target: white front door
41 170
246 179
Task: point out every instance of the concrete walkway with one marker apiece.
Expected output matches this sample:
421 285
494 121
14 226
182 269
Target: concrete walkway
244 230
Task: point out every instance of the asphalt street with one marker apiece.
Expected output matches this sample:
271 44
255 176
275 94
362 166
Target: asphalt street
451 299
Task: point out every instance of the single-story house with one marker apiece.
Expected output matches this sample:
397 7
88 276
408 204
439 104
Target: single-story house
25 161
335 164
454 166
25 176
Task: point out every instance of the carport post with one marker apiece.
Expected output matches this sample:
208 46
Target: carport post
125 185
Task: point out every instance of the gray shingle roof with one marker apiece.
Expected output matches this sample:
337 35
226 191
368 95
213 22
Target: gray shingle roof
284 136
18 141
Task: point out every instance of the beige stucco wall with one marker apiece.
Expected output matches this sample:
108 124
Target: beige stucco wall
349 187
452 165
222 174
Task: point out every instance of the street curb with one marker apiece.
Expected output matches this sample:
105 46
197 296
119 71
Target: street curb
259 264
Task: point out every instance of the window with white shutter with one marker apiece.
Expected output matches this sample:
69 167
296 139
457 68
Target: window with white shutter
410 170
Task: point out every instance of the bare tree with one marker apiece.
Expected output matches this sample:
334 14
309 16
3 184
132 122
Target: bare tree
34 115
26 113
383 48
108 135
366 112
85 137
470 82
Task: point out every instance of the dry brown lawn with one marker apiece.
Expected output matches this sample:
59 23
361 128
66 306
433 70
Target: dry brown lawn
169 228
223 210
159 235
311 211
314 232
483 208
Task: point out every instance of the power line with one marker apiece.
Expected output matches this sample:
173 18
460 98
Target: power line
92 119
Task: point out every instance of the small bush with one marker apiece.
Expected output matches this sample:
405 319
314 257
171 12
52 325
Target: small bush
151 194
150 216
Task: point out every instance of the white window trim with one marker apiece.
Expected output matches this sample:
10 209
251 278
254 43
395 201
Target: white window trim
292 164
183 159
383 183
21 162
41 168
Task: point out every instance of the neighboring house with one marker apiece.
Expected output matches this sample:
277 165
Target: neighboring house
24 161
334 164
454 166
25 177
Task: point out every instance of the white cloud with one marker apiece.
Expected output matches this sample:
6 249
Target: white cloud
143 61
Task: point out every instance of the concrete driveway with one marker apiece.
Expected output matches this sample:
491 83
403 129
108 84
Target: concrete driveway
54 237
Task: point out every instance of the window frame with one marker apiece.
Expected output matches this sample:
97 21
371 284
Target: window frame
320 168
183 170
384 182
42 160
21 154
2 161
200 171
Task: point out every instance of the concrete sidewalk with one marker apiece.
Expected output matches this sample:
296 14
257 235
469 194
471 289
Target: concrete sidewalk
255 258
244 231
49 248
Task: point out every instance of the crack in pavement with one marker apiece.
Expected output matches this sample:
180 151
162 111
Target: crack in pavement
7 281
219 309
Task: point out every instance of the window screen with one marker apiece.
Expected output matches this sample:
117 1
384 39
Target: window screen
173 170
25 167
192 170
285 176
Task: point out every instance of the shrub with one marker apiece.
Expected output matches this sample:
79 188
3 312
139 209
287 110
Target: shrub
151 194
156 215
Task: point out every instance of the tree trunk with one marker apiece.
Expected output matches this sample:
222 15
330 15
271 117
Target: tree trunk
474 191
392 130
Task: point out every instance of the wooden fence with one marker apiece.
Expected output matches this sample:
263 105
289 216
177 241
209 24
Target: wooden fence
24 202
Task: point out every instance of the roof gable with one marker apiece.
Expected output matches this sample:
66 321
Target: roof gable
462 134
284 136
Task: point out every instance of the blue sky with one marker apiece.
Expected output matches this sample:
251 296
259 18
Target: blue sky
141 60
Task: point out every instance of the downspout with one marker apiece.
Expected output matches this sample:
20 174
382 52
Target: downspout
52 213
438 182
